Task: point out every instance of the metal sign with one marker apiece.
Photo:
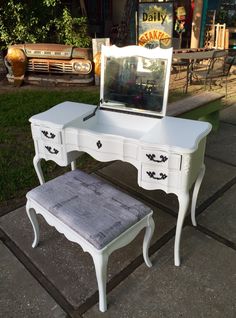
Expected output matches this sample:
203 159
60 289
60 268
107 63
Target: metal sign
155 24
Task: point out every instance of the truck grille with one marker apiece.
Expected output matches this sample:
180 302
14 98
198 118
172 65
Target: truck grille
56 66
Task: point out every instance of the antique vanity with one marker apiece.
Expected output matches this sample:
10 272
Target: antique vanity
129 124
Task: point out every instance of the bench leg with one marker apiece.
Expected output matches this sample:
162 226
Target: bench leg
100 263
147 240
33 219
195 194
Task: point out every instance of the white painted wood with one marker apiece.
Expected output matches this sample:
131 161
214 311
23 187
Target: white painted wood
179 135
73 165
111 135
100 263
33 219
157 175
160 158
195 194
100 257
60 115
37 166
183 206
147 240
181 141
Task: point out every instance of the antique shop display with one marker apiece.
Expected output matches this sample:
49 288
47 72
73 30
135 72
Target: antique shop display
130 124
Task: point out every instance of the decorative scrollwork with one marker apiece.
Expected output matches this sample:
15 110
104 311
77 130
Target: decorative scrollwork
48 135
52 151
152 174
152 158
99 144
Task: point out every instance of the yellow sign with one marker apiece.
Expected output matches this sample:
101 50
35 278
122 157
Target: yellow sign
154 36
155 24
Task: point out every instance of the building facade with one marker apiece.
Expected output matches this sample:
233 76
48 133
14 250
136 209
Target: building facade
118 20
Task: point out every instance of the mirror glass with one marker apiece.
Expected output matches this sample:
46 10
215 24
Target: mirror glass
135 83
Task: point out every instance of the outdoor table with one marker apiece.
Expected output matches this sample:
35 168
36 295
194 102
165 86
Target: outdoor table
191 55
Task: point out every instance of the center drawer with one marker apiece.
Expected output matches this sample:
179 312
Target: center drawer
100 144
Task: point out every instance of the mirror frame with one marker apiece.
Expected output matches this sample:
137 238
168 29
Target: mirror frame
136 51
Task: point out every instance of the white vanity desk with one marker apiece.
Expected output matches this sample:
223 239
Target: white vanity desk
168 152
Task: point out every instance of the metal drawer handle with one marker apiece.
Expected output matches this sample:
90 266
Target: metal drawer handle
152 175
152 158
52 151
48 135
99 144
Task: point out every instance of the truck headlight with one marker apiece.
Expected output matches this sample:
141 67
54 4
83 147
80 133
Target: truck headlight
83 67
77 67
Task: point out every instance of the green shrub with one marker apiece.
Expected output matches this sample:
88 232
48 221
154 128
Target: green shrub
31 21
72 30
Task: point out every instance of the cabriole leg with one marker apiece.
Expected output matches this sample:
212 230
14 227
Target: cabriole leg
38 169
183 206
73 165
33 219
195 194
147 240
100 263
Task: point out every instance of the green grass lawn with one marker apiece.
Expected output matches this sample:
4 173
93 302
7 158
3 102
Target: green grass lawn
17 174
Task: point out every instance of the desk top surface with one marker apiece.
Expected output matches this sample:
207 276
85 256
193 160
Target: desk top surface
178 134
60 115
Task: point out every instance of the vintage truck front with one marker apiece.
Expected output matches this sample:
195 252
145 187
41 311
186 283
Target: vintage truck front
49 62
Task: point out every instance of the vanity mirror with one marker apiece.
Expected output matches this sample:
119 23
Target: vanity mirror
135 79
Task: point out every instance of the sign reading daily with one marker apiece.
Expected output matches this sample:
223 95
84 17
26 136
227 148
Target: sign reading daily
155 24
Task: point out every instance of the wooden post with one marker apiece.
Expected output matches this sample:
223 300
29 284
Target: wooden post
196 23
83 8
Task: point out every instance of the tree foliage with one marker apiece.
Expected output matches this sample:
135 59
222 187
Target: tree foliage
31 21
72 30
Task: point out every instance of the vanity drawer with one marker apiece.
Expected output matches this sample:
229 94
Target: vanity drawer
50 151
161 158
47 134
100 144
152 174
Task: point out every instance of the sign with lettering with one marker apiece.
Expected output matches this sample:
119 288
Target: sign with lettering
155 24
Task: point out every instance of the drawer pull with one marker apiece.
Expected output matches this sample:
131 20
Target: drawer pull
48 135
52 151
99 144
152 174
152 158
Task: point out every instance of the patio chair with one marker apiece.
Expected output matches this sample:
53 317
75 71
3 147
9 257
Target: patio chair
217 68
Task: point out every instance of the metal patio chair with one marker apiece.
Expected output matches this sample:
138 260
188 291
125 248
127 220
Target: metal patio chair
217 68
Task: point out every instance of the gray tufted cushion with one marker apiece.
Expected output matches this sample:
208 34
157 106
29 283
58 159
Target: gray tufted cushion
93 208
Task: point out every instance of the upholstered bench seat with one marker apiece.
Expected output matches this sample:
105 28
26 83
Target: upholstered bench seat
92 213
91 207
